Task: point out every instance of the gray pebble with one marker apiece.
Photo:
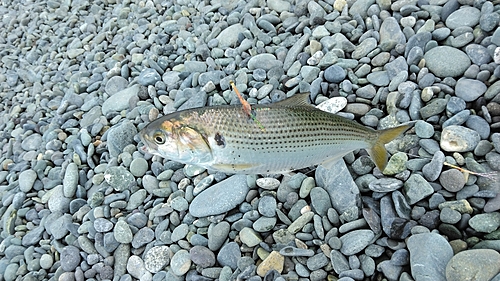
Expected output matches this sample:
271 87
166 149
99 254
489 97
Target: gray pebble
417 188
264 224
455 105
457 119
229 255
445 61
450 216
120 100
466 16
423 129
355 241
102 225
70 180
217 234
119 178
179 232
32 142
487 222
142 237
452 180
157 258
122 232
138 167
459 139
202 256
430 260
334 74
267 206
119 136
469 90
26 180
433 169
320 201
479 125
70 258
479 264
180 262
317 261
231 193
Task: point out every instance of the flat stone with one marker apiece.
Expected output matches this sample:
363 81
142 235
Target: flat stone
120 100
478 264
355 241
487 222
445 61
430 260
229 193
274 261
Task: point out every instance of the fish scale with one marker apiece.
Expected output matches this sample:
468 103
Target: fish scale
293 137
287 137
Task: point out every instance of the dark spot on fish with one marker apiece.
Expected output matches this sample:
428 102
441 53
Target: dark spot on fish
219 139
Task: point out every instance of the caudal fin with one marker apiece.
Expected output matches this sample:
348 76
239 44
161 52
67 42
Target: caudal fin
378 153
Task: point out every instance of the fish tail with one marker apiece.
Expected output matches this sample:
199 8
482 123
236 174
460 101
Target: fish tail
378 152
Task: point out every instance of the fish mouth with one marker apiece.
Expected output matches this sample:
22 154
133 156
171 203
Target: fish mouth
148 145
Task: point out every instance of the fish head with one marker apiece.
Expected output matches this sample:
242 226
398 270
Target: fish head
175 140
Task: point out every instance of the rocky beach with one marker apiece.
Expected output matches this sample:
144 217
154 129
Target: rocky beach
81 200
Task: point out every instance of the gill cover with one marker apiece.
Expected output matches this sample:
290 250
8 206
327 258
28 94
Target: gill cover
192 145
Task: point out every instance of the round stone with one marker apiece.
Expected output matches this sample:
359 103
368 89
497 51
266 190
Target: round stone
138 167
445 61
180 263
46 261
334 74
452 180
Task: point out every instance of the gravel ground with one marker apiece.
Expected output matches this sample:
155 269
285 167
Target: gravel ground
81 201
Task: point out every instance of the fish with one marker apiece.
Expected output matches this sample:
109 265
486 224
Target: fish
276 138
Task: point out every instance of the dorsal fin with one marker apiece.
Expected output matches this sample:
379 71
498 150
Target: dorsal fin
295 100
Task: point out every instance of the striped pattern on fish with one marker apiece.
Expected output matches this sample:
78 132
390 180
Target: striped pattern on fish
293 135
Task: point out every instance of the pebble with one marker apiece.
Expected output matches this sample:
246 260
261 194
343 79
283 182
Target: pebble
202 256
249 237
430 260
71 169
445 61
274 261
417 188
469 89
70 258
229 254
120 100
452 180
180 262
334 74
487 222
26 180
344 195
355 241
231 192
122 232
479 264
459 139
157 258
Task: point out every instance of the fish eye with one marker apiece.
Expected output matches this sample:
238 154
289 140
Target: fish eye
159 137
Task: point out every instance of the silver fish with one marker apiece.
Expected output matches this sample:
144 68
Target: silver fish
275 139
